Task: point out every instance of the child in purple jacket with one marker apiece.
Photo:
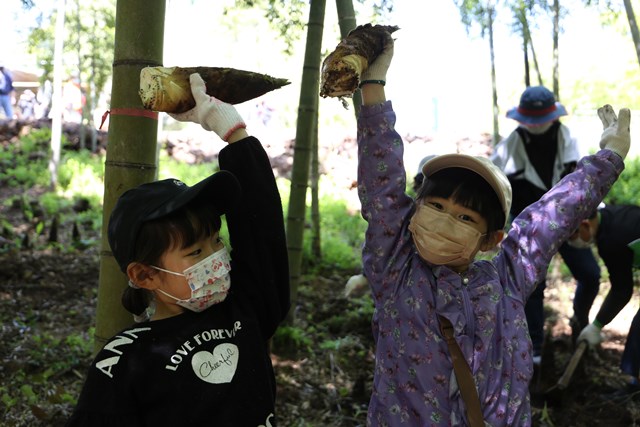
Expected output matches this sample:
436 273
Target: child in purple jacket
419 258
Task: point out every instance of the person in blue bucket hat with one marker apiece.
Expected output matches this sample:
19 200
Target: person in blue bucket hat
535 156
538 107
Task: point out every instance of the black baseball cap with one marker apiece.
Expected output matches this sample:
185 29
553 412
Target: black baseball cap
157 199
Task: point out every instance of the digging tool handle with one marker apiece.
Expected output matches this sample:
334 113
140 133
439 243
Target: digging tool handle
564 380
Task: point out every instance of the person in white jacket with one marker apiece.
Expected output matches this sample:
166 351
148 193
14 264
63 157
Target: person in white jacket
535 156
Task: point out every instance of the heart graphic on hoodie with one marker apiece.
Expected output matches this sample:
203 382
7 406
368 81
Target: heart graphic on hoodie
218 366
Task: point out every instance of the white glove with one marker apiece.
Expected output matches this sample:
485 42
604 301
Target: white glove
591 334
377 70
616 136
356 285
209 112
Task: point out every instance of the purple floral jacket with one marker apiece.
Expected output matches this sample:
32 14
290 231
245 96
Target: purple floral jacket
414 382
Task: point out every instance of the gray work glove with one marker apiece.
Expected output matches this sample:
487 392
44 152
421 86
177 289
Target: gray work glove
377 70
209 112
617 134
592 335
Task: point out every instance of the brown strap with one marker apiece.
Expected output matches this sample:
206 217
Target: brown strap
463 376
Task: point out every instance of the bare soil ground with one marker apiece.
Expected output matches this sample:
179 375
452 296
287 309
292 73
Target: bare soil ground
47 307
46 296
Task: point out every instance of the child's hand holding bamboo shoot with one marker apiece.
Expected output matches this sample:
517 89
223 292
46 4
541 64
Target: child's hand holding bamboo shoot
377 71
211 113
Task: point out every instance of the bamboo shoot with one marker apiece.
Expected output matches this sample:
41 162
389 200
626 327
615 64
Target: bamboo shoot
167 88
342 68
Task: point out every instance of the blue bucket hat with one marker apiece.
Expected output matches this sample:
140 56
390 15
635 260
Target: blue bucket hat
537 107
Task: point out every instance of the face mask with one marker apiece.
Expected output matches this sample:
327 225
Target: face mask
441 239
537 129
209 281
579 243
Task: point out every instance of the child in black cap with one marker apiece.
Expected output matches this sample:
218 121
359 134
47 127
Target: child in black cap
199 352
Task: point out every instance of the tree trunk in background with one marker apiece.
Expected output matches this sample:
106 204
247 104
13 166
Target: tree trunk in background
316 241
633 27
347 22
556 51
525 24
525 50
56 96
84 112
307 118
494 86
131 153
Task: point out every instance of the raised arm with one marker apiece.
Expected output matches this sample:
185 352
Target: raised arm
543 226
381 180
256 225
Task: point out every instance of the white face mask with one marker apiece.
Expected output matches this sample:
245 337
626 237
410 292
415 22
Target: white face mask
209 281
441 239
579 243
537 129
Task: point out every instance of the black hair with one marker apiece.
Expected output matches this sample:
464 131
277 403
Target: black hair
417 181
181 228
468 189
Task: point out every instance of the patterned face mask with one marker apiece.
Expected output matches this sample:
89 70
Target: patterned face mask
209 281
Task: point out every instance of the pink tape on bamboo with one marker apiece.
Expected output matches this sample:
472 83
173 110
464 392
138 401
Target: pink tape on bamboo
133 112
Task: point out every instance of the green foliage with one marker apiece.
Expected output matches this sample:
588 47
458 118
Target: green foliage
53 203
342 236
289 18
29 394
599 89
190 174
627 187
475 11
355 317
81 173
25 163
563 269
34 140
76 347
88 45
90 31
5 226
81 344
331 325
48 356
337 343
292 339
7 399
